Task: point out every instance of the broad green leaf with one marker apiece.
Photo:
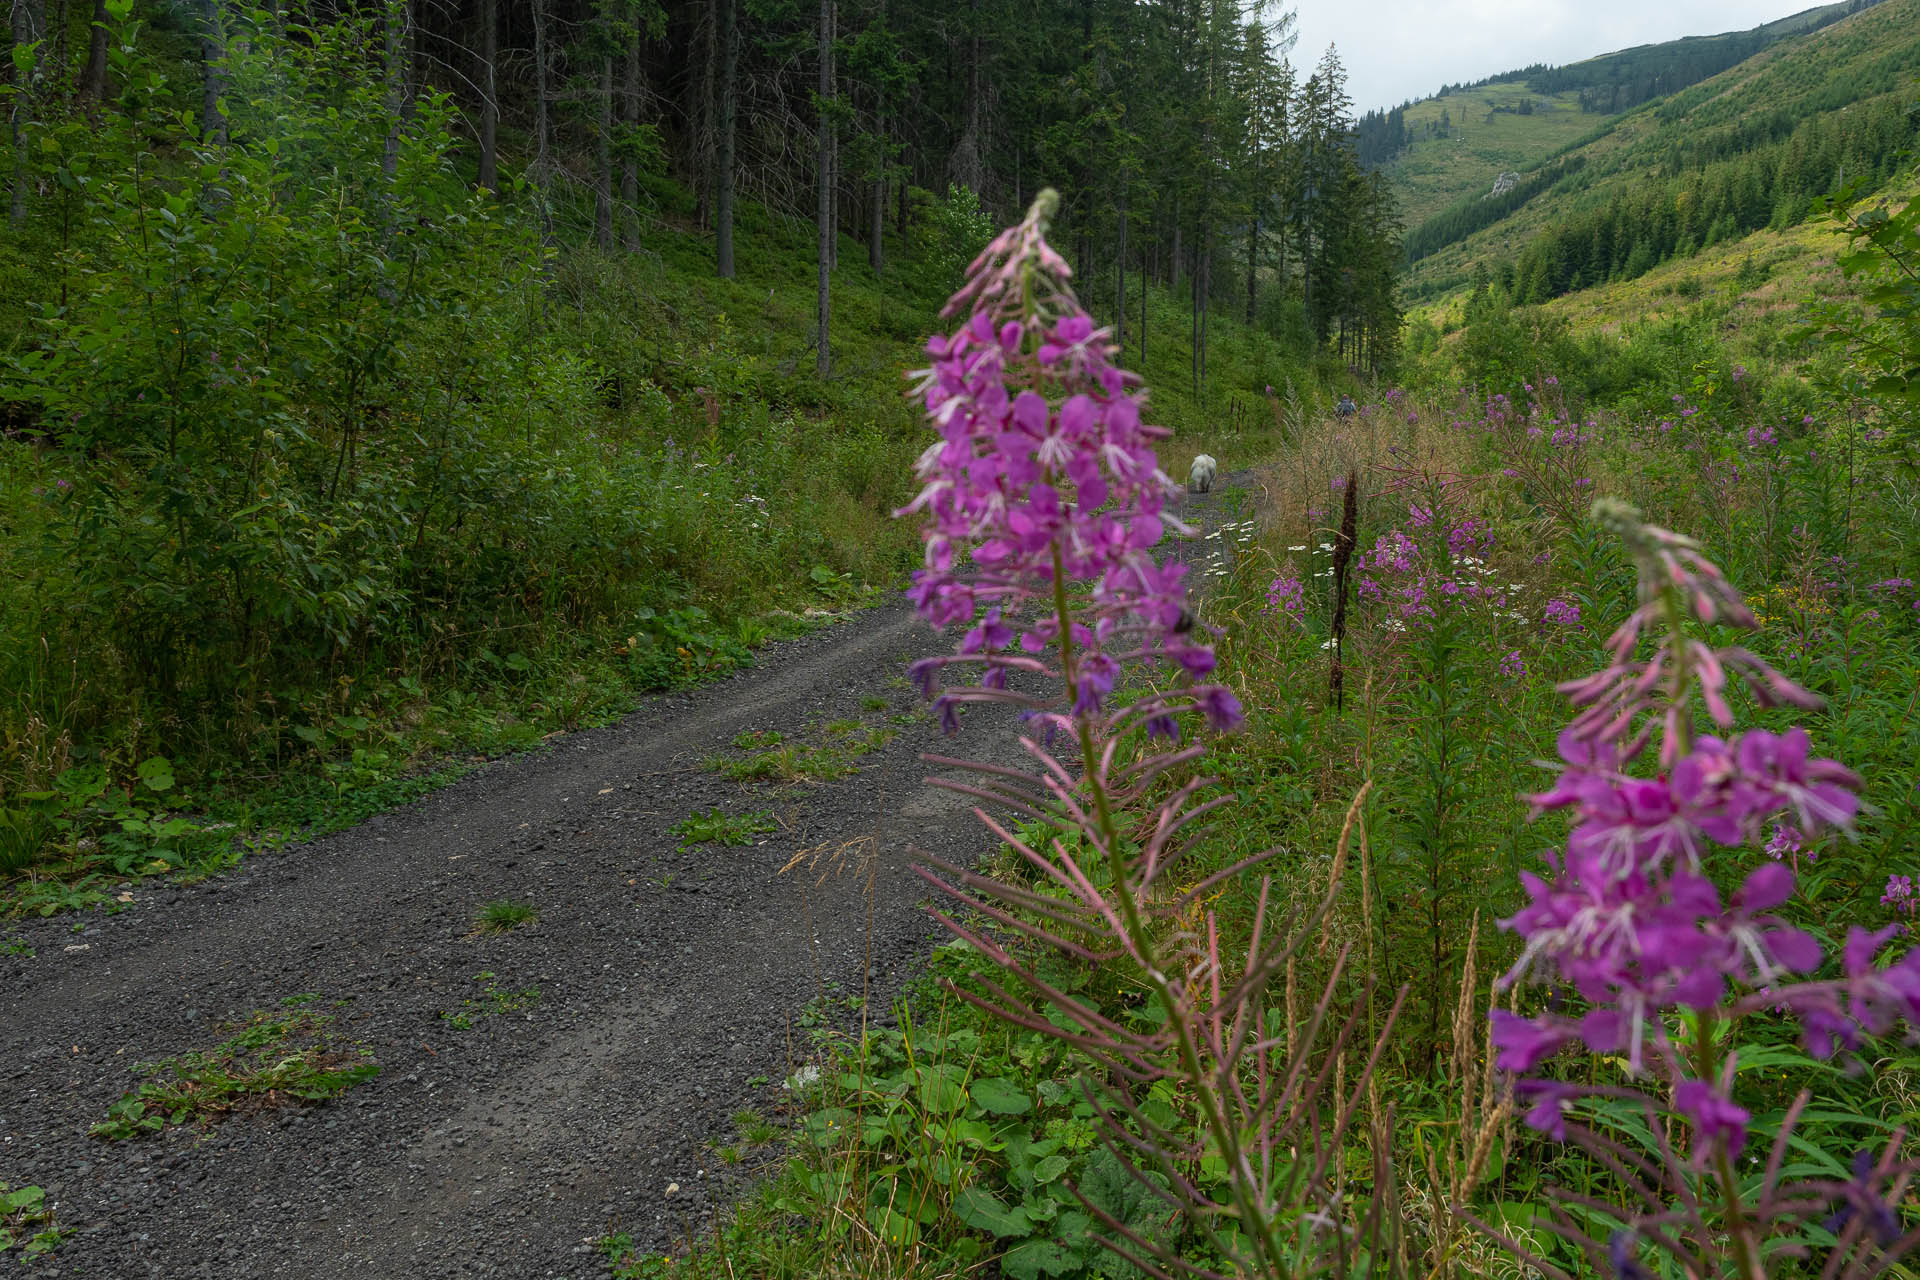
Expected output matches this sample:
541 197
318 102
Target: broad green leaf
897 1229
156 773
1038 1258
1000 1096
983 1211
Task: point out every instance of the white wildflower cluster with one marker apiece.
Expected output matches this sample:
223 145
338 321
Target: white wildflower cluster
1234 536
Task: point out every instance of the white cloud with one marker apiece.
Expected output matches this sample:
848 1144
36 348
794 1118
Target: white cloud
1399 49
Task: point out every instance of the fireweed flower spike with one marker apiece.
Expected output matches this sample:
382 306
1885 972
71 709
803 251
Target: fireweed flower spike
1046 472
1628 913
1043 504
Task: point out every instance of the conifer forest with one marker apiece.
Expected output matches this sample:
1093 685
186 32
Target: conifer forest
736 638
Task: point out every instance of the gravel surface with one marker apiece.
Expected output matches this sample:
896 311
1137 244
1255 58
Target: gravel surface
669 983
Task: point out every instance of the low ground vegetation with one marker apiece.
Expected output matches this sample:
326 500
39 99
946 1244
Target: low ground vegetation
326 477
1435 550
286 1057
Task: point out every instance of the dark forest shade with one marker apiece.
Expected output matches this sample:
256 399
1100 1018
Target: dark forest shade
1186 148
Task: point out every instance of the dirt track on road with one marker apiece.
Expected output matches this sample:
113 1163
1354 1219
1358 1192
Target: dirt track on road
668 985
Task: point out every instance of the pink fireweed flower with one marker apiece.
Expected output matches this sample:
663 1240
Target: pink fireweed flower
1786 843
1899 895
1471 536
1562 612
1288 597
1044 469
1625 913
1513 665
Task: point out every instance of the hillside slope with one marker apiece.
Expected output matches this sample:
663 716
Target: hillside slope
1457 142
1749 148
1460 142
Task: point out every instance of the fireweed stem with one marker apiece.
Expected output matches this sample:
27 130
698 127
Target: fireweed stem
1682 667
1706 1064
1256 1224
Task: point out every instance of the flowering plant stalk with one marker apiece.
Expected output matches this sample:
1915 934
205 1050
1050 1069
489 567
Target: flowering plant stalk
1629 919
1045 476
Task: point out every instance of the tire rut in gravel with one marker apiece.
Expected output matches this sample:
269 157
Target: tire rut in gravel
667 980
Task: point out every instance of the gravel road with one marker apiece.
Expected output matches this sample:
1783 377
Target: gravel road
668 985
667 981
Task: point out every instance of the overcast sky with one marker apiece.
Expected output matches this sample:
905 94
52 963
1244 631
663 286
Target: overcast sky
1399 49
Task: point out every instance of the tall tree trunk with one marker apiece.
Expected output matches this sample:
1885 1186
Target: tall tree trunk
542 122
603 156
213 76
394 39
489 177
1120 273
967 166
704 114
877 203
823 363
93 76
28 26
729 113
833 161
629 161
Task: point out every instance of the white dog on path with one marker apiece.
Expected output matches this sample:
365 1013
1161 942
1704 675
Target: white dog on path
1200 476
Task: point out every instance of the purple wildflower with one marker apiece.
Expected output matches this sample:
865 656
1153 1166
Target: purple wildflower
1287 596
1785 843
1562 612
1037 485
1626 913
1714 1117
1470 536
1899 895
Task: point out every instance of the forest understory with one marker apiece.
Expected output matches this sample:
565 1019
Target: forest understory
464 755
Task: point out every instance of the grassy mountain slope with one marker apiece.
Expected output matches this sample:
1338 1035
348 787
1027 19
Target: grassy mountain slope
1866 62
1486 134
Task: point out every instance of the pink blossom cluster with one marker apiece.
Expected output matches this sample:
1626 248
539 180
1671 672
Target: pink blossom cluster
1788 843
1394 573
1472 536
1045 472
1899 895
1627 914
1287 596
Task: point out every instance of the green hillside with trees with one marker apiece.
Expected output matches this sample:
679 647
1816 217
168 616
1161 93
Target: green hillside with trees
1467 829
1444 153
1459 142
1749 148
414 377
